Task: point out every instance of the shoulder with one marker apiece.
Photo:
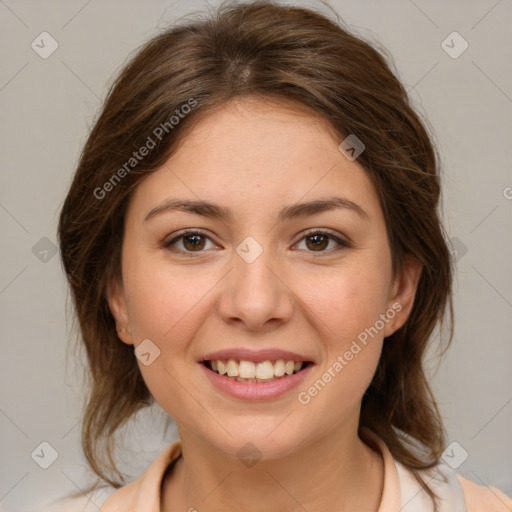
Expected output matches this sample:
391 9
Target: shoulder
484 499
144 493
455 492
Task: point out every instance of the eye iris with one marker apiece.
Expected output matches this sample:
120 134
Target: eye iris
317 243
195 242
194 245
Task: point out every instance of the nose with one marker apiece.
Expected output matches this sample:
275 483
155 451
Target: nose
256 294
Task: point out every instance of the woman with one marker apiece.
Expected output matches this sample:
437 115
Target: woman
252 241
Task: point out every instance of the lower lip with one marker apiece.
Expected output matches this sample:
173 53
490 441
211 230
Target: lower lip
256 390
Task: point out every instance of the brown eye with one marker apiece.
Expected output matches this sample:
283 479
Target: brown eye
318 241
195 242
191 242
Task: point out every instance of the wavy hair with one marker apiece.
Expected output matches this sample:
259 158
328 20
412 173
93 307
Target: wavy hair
266 50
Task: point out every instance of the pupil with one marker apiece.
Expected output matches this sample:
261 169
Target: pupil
319 240
195 243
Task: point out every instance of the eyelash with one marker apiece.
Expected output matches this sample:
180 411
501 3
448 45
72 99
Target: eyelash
342 244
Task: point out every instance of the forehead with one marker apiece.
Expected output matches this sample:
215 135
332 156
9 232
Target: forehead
261 154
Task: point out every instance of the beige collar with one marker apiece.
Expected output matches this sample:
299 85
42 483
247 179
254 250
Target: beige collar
401 491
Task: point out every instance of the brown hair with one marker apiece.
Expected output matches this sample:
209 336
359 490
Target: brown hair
259 49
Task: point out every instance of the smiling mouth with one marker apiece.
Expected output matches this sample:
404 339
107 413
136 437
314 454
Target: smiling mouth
248 371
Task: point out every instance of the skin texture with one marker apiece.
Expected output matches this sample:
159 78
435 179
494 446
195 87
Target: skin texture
255 157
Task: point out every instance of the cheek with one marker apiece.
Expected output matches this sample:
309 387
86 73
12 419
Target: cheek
168 308
347 308
163 300
345 302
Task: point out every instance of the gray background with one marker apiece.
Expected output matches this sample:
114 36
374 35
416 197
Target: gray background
48 106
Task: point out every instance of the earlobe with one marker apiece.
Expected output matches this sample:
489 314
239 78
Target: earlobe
403 293
117 304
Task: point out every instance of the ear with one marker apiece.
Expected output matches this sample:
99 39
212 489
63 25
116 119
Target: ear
117 304
402 293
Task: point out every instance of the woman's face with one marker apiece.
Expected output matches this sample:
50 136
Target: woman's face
260 279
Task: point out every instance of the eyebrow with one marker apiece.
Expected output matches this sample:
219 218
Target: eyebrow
214 211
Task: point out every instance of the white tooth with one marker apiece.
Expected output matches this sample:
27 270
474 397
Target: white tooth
279 368
232 368
288 367
221 367
247 369
215 365
297 366
265 370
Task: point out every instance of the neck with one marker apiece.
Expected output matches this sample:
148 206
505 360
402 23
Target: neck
336 473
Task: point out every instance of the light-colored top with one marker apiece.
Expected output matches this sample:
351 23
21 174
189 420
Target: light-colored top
401 491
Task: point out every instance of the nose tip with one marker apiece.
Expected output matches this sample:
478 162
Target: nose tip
254 294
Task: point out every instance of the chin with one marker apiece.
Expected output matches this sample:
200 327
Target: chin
266 437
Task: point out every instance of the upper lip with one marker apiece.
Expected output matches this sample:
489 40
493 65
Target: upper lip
257 356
